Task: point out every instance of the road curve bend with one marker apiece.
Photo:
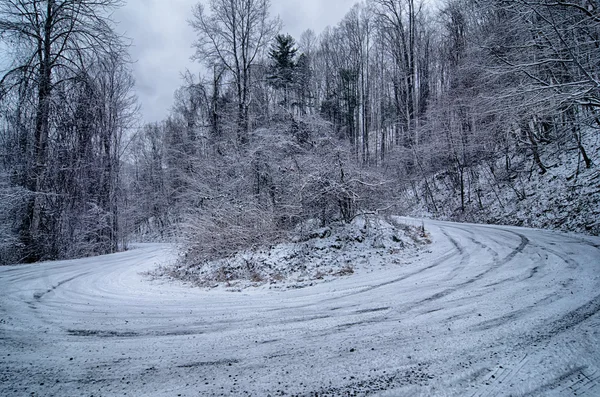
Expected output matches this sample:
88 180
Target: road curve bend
486 311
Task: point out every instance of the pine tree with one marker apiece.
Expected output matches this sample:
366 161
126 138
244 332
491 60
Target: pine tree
281 76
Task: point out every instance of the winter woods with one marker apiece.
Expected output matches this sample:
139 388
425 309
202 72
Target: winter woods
66 101
401 97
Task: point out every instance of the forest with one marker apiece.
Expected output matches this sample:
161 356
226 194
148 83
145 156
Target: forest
401 97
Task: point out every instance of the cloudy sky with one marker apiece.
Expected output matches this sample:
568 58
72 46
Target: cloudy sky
162 41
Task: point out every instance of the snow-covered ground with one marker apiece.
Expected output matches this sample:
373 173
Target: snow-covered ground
314 255
486 311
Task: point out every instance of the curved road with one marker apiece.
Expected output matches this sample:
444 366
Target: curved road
486 311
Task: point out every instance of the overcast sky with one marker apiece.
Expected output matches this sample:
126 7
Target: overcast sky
162 41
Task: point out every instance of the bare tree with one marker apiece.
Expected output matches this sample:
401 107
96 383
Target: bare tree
234 33
551 50
53 43
402 22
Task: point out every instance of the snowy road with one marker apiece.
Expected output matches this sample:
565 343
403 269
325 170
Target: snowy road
488 311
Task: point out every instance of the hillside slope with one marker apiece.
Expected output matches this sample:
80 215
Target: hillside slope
566 197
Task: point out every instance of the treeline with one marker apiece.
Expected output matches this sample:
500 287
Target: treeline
279 130
66 101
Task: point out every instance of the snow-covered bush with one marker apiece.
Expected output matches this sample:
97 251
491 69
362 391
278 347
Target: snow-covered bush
313 254
292 172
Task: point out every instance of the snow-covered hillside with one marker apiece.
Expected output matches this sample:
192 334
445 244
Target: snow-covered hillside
486 311
566 197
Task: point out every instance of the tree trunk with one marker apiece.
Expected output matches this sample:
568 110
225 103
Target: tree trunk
534 149
575 130
32 238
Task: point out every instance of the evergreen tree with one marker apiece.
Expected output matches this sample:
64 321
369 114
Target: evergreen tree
281 76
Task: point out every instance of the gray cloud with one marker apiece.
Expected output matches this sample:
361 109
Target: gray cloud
162 40
299 15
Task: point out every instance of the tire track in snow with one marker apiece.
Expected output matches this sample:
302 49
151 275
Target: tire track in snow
567 321
512 316
497 379
574 376
492 266
464 256
362 290
39 295
458 251
583 385
177 338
